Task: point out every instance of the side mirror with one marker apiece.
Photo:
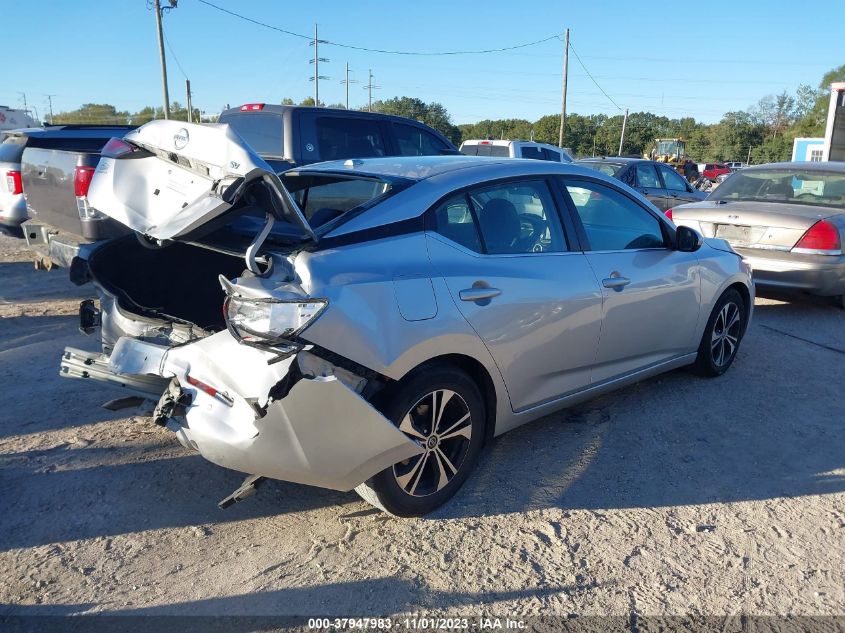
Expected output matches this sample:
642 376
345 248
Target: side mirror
687 240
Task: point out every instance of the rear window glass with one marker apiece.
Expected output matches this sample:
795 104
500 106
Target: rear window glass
341 138
324 198
262 131
486 149
791 186
608 169
550 154
12 148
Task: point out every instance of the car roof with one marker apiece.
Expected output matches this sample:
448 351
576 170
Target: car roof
423 167
834 165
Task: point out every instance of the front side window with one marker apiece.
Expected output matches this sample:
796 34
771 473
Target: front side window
673 180
611 220
508 218
341 138
413 141
646 176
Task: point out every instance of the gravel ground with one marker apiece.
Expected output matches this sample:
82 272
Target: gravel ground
676 496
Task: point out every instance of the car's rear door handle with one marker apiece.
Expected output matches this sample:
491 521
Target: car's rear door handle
617 283
478 294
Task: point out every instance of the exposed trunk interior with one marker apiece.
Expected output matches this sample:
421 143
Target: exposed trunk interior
178 281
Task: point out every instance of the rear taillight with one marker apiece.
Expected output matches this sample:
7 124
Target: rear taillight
82 176
668 213
117 148
13 182
252 107
822 238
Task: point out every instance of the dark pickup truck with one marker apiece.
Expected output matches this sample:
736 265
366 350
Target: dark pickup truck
55 180
57 163
289 136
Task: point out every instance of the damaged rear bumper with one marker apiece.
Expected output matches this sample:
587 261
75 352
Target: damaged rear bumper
321 432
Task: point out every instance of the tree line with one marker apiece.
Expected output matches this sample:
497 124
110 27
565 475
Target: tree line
762 133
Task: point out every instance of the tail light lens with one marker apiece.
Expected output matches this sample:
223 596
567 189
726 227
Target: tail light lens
13 182
118 148
82 176
668 213
821 239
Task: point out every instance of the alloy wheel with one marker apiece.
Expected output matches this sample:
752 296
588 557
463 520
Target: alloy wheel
725 336
441 423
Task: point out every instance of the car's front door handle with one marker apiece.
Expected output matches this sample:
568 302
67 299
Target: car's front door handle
478 294
617 283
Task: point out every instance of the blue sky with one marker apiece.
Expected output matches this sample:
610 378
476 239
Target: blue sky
655 56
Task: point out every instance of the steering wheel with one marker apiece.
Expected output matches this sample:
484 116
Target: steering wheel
537 228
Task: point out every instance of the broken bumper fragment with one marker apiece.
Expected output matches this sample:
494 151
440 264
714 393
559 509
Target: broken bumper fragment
322 432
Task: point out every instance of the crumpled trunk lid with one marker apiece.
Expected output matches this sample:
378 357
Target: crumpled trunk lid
184 176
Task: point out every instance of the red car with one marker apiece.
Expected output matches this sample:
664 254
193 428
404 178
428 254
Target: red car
713 170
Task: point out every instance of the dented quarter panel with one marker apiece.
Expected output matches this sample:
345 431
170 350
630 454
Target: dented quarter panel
322 433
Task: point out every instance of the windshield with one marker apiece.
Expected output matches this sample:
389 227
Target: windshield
818 188
608 169
670 147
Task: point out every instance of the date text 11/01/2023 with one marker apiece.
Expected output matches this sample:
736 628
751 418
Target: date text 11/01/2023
417 623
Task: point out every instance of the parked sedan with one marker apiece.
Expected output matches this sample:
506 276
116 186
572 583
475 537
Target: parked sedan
660 184
787 219
383 318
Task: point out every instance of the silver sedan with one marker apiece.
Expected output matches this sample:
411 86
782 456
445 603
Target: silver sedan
384 318
786 219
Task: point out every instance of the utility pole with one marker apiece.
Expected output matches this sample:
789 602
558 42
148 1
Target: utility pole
190 108
369 88
565 76
748 160
50 101
316 61
348 81
23 96
622 138
158 9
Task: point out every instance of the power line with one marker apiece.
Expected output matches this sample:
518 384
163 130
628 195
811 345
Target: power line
380 50
578 57
176 59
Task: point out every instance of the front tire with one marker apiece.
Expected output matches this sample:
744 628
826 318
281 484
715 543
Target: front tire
722 335
442 410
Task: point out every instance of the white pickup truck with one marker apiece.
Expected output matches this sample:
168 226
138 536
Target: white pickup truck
516 149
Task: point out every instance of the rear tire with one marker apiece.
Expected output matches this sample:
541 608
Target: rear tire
722 335
442 410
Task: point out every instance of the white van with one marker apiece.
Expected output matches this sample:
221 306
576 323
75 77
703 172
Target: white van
516 149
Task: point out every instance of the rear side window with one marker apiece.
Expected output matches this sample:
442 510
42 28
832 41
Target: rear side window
413 141
341 138
532 152
455 220
262 131
550 154
12 148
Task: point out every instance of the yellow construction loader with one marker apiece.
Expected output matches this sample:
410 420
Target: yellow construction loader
672 151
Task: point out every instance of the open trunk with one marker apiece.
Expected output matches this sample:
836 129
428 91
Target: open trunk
176 283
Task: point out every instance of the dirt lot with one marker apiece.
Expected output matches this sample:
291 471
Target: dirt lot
676 496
